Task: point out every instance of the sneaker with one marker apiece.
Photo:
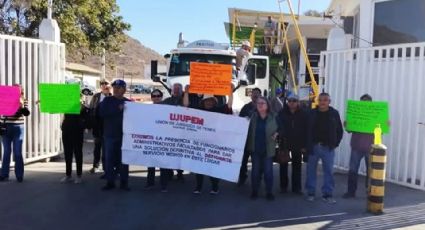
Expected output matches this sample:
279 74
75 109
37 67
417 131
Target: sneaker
270 196
20 179
66 179
254 195
4 179
310 198
78 180
108 186
94 170
348 195
283 190
214 192
329 199
103 177
197 192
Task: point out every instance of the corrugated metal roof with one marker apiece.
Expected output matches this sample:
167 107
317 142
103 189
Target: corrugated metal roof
81 68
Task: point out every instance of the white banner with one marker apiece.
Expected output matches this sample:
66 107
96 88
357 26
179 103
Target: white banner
181 138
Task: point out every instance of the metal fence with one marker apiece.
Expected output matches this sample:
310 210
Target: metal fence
29 62
388 73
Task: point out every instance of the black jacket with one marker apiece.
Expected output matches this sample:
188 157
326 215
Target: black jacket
76 123
335 129
293 128
247 110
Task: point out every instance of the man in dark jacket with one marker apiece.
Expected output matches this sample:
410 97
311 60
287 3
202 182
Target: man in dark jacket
111 110
247 111
96 125
293 136
324 135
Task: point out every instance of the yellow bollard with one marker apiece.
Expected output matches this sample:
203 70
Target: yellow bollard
376 179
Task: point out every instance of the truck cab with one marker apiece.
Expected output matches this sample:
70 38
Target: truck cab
254 73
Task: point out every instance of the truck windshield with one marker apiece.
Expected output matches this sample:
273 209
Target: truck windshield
180 63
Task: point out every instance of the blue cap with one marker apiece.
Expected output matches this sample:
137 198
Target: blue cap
119 83
292 95
279 90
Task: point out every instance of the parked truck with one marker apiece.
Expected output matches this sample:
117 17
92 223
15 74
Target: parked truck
254 74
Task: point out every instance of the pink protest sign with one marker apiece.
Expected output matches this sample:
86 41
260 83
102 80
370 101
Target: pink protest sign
9 100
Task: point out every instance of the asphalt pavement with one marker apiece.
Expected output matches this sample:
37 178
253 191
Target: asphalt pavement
41 202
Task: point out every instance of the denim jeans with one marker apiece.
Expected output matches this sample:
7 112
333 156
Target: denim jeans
13 138
261 164
327 156
113 160
355 159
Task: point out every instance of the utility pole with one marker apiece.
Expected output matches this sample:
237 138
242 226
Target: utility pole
103 64
299 7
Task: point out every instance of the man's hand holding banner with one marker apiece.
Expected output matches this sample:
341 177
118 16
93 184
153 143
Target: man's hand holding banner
180 138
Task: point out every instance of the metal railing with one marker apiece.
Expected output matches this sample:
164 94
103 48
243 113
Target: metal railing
388 73
29 62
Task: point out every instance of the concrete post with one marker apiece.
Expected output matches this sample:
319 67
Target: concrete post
49 29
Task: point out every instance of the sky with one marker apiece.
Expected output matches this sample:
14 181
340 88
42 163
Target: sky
157 23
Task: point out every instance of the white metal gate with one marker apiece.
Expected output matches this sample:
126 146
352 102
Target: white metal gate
29 62
388 73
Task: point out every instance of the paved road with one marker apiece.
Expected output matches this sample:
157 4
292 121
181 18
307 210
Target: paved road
41 202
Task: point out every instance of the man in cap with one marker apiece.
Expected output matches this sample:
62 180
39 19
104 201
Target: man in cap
111 110
96 124
242 53
293 137
209 103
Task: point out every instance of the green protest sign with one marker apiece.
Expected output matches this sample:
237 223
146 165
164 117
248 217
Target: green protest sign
363 116
60 98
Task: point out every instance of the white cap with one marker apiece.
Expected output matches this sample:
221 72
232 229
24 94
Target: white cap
208 96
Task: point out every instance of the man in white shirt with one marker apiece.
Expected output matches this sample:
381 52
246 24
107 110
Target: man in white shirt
242 53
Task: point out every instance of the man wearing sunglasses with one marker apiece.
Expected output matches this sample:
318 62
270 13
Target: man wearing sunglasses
324 135
96 123
293 134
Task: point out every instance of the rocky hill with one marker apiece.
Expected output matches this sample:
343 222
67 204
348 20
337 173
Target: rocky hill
130 61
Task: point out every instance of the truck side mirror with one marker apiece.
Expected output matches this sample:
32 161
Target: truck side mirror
243 82
156 78
154 69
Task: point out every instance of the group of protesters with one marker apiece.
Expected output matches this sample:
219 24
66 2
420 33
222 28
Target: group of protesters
279 125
